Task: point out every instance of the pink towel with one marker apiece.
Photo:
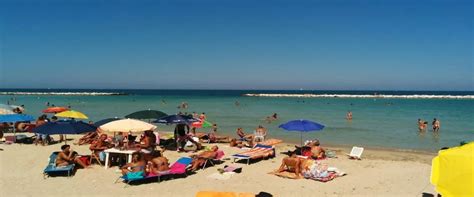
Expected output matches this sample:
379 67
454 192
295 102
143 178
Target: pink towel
220 154
178 168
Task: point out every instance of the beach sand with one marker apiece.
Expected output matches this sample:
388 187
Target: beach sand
379 173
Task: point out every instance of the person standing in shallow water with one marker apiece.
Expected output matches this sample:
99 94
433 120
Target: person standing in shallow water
421 125
349 115
436 125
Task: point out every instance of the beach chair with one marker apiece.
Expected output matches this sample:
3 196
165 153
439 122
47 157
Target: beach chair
257 152
51 168
94 156
213 161
177 168
356 152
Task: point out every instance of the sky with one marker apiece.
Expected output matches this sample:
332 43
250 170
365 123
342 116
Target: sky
237 44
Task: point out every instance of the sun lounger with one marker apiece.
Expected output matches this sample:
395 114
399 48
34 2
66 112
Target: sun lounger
257 152
220 155
356 152
51 168
177 168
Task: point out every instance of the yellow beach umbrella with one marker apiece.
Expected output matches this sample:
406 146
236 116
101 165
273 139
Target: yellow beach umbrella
452 171
72 114
126 125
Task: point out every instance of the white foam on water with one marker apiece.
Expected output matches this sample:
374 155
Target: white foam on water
414 96
64 93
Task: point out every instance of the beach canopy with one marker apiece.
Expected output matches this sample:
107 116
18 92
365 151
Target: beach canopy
126 125
452 171
176 119
71 114
302 126
105 121
64 127
55 109
16 118
146 114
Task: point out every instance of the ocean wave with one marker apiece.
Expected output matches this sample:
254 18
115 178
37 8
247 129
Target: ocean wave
64 93
414 96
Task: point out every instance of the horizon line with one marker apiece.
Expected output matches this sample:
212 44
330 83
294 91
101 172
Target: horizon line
224 89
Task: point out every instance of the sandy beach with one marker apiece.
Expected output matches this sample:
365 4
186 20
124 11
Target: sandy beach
379 173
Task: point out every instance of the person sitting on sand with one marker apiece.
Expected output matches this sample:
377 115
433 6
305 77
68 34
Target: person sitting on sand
67 157
214 138
199 160
292 164
157 165
137 164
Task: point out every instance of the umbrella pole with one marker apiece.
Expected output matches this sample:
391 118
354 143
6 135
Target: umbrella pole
301 135
65 139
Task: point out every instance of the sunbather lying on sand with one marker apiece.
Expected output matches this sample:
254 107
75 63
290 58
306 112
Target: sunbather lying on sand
67 157
87 139
292 164
137 164
157 165
199 160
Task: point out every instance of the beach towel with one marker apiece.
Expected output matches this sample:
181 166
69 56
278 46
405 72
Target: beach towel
223 194
271 142
257 152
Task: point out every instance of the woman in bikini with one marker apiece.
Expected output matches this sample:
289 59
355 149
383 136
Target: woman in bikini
157 165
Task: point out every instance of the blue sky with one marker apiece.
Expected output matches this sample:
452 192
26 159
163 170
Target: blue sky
211 44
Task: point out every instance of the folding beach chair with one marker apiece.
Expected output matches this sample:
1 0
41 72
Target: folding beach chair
211 161
257 152
51 168
177 168
94 156
356 152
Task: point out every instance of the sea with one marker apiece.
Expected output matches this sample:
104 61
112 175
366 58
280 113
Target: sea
381 119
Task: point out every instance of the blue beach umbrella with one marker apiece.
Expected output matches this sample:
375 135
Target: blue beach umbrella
302 126
176 119
16 118
64 127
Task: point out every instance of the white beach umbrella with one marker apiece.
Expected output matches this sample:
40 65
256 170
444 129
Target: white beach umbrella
126 125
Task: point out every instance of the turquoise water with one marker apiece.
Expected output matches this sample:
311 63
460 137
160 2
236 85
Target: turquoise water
390 123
